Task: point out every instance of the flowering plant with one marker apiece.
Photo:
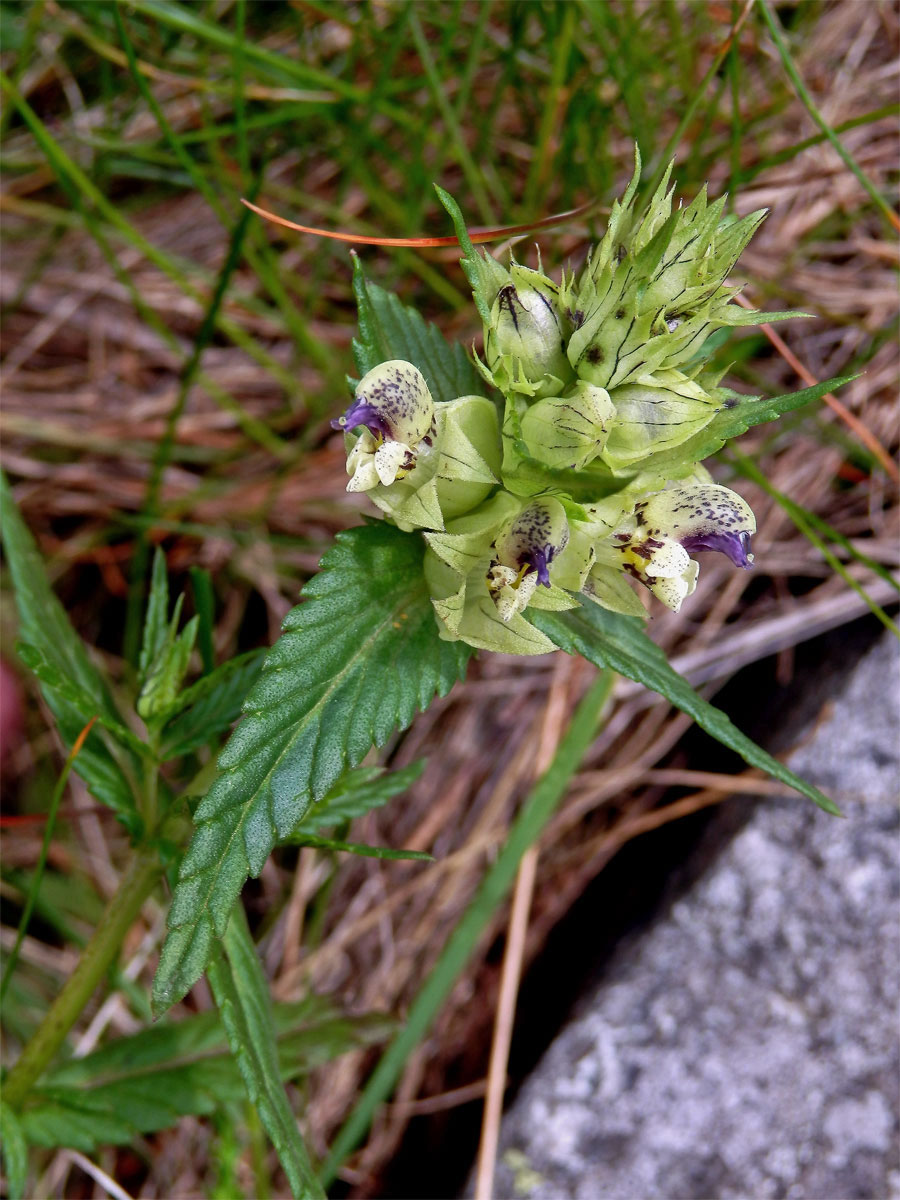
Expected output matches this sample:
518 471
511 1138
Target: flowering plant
512 523
607 404
524 492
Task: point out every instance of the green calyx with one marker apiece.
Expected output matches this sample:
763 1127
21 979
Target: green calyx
583 479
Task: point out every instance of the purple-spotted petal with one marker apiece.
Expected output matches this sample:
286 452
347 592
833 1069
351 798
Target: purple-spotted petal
393 400
534 538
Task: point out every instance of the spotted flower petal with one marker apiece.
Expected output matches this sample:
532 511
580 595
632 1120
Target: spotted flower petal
392 400
666 527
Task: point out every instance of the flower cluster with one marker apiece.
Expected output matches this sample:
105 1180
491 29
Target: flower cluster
585 474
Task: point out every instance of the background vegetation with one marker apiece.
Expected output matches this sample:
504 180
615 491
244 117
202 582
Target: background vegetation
170 366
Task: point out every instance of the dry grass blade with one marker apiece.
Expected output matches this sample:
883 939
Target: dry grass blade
551 732
477 235
852 422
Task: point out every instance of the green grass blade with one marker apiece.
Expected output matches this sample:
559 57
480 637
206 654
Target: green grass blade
473 175
800 87
38 875
361 848
112 772
15 1152
800 517
163 454
536 811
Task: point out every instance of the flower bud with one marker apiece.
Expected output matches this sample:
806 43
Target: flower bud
568 432
659 412
525 342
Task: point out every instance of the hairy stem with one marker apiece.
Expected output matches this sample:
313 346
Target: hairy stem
137 883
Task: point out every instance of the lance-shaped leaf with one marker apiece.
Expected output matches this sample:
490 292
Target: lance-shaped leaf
151 1079
242 994
358 658
357 792
110 768
483 272
609 639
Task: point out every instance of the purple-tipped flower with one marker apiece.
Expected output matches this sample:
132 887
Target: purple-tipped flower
669 526
523 553
395 411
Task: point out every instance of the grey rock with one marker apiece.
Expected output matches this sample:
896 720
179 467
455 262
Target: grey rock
746 1045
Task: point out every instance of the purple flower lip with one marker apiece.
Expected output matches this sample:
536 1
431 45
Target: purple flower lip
363 414
539 560
735 546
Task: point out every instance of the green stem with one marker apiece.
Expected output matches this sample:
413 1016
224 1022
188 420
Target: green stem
136 885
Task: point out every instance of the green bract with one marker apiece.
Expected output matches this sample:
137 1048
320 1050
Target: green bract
584 473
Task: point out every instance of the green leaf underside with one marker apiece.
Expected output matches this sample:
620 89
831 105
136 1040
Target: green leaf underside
358 792
43 624
242 995
611 640
149 1081
358 658
389 329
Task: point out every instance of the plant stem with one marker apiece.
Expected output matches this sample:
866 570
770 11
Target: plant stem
136 885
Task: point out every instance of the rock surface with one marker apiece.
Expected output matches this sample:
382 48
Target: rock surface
746 1045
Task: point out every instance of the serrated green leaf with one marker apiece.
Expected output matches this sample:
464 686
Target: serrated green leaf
242 995
389 329
156 621
609 639
358 658
15 1152
744 413
210 705
148 1081
358 791
35 661
111 772
361 848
